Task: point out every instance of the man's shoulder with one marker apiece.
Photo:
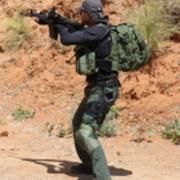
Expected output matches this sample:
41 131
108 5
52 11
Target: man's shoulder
99 29
99 26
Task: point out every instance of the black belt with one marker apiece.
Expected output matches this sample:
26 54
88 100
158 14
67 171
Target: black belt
110 82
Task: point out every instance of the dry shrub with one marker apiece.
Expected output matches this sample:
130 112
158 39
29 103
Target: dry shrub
152 20
172 9
18 32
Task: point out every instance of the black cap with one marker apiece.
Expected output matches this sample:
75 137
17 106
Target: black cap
94 8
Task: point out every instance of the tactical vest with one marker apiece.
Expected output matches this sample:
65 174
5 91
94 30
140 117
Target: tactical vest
128 52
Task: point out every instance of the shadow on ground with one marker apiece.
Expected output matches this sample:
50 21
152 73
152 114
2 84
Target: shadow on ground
65 167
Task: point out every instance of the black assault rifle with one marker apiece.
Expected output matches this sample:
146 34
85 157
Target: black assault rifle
50 18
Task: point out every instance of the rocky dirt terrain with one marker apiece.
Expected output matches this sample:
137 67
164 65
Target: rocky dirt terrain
29 153
41 77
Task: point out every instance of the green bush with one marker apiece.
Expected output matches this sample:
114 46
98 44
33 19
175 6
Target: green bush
113 113
61 133
50 128
18 32
20 114
152 21
109 128
172 131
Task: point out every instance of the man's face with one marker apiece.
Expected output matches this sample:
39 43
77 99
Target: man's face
84 17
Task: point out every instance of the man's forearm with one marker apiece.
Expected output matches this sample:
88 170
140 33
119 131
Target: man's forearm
74 38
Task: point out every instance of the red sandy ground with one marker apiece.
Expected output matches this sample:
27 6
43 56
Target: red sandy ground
42 78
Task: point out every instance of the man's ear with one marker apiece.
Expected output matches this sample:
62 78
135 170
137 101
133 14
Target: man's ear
88 17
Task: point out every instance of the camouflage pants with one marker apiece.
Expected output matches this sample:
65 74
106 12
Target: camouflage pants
99 97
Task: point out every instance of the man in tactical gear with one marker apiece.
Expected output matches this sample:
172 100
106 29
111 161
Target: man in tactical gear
102 85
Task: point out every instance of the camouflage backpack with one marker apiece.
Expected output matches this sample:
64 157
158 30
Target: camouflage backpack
129 51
